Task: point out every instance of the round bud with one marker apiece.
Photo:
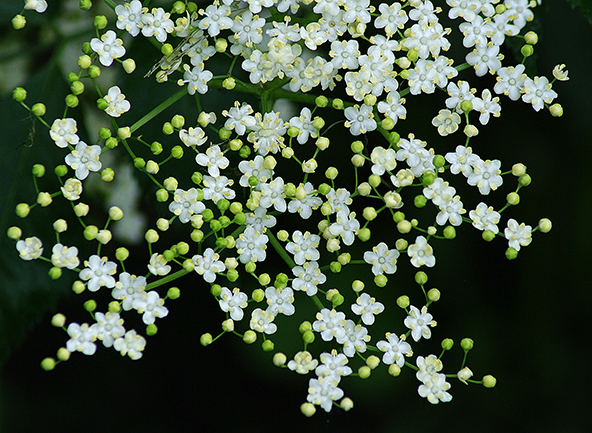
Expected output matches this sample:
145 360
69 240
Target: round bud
545 225
61 170
518 169
279 359
428 178
403 301
513 198
322 143
364 372
264 279
524 180
404 226
114 307
364 189
556 110
347 404
206 339
228 325
90 305
321 101
381 280
129 65
308 337
177 152
229 83
90 232
44 199
421 278
22 210
305 326
488 235
370 100
489 381
374 180
447 344
338 104
121 254
14 233
335 267
84 61
58 320
412 55
244 152
398 216
104 236
372 362
55 273
107 175
115 213
63 354
394 370
344 258
531 38
308 409
224 134
162 195
216 290
466 344
387 123
38 109
471 131
100 22
48 364
221 45
364 234
357 146
19 94
178 7
420 201
527 50
358 161
267 346
449 232
94 71
178 121
318 123
331 173
250 337
151 330
511 253
439 161
151 236
434 295
78 287
19 22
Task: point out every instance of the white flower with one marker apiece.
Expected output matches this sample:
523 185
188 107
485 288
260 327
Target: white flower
447 122
218 188
330 324
130 344
109 47
518 235
383 160
323 392
233 302
538 92
36 5
485 218
82 338
129 17
64 257
367 307
303 362
435 389
157 24
186 203
260 220
193 136
486 175
487 106
63 132
150 307
272 194
394 349
117 102
208 265
359 119
354 338
382 259
196 79
427 367
251 246
308 277
304 247
305 126
421 253
72 189
108 327
128 288
280 301
98 273
510 81
305 205
239 118
485 58
333 365
30 248
419 322
158 265
84 159
461 160
262 321
346 226
216 19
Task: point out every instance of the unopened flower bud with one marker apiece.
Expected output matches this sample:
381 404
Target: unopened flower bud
489 381
403 301
205 339
466 344
464 375
250 337
364 189
364 372
447 344
545 225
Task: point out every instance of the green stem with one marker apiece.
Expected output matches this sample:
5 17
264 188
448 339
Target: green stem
167 279
158 109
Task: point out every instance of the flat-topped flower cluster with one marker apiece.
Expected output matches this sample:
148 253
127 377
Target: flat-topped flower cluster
310 53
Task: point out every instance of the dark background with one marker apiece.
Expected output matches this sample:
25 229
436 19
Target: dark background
530 318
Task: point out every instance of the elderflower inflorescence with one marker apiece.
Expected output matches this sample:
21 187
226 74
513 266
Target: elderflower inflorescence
255 213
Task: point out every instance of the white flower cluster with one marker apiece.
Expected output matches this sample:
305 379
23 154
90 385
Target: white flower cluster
233 213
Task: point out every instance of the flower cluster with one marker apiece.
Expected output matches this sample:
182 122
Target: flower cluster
237 219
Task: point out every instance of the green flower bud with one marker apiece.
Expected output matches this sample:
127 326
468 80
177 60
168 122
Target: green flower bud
545 225
524 180
357 146
321 101
19 94
232 275
264 279
63 354
420 201
111 143
250 337
421 278
394 370
428 178
229 83
85 4
208 215
381 280
439 161
250 267
178 121
90 305
305 326
531 38
387 123
48 364
466 106
129 65
324 189
308 409
374 180
267 346
84 61
398 216
357 286
369 213
449 232
167 49
364 372
55 273
404 226
370 100
331 173
177 152
244 152
466 344
151 330
215 225
488 235
556 110
14 233
19 22
513 198
90 232
344 258
168 128
197 235
394 137
77 88
78 287
372 361
206 339
338 104
527 50
221 45
94 71
308 337
61 170
364 234
489 381
337 300
403 301
224 134
173 293
121 254
447 344
434 295
38 109
511 253
279 359
162 195
240 219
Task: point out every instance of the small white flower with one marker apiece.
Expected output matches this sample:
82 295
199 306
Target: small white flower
150 307
117 102
128 288
213 159
304 247
518 235
157 23
193 136
421 253
233 302
72 189
394 349
262 321
30 248
64 257
108 327
323 392
330 324
382 259
354 338
485 218
63 132
303 362
109 47
158 265
38 6
360 119
435 389
186 203
419 322
129 17
308 277
84 159
333 365
82 338
208 265
486 175
367 307
130 344
98 272
251 246
280 301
